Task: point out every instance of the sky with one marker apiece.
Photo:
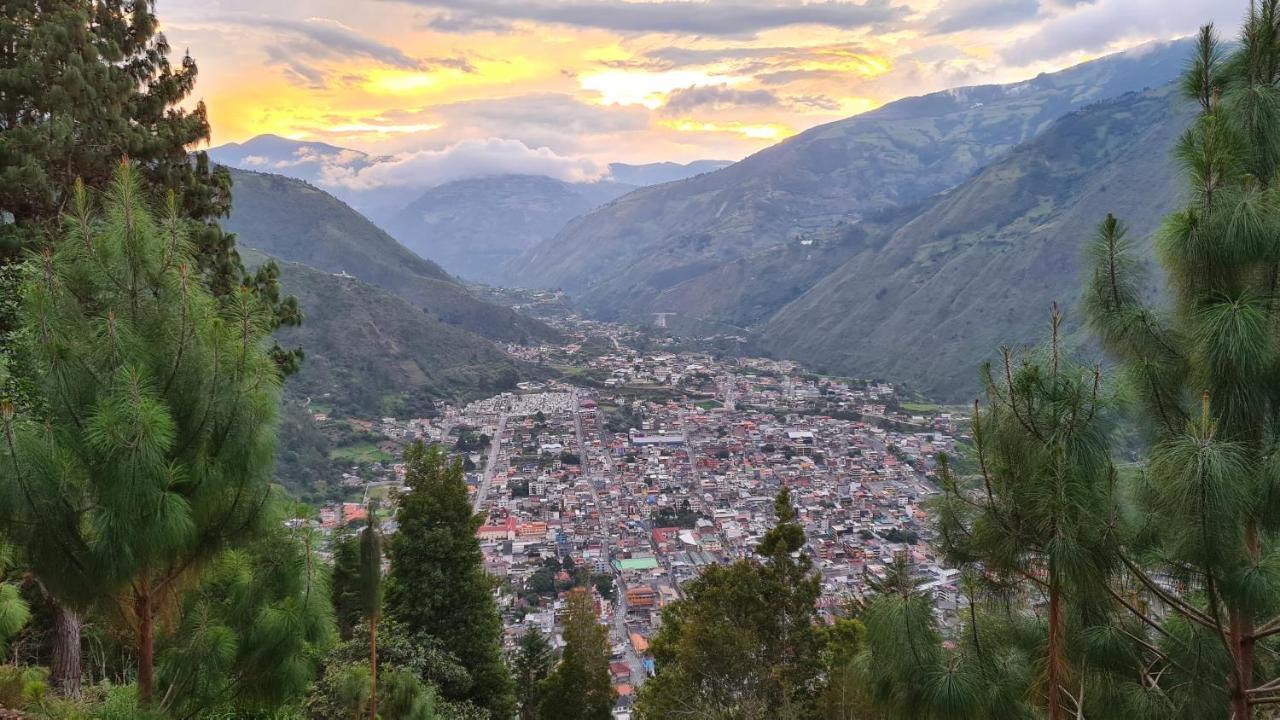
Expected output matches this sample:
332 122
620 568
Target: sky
564 86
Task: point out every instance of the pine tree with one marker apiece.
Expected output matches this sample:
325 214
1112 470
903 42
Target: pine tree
1203 380
437 584
743 641
1041 512
14 612
346 581
249 638
84 83
532 662
371 596
149 447
579 687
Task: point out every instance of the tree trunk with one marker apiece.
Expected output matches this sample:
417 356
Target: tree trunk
1242 642
373 667
1056 666
64 670
146 644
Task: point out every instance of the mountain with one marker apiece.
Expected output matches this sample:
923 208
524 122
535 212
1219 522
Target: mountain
294 221
370 353
619 259
981 265
471 227
662 172
475 227
294 158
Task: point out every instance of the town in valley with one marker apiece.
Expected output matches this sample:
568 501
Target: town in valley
629 471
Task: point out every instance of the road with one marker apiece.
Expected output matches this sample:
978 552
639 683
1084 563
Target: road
620 634
491 465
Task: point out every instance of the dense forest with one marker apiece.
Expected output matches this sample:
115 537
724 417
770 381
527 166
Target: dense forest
152 567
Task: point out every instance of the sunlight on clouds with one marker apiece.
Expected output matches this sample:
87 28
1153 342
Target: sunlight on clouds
397 82
367 128
650 89
762 131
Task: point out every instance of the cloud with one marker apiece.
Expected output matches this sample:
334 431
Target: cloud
324 39
466 159
731 18
305 49
716 97
1100 25
960 15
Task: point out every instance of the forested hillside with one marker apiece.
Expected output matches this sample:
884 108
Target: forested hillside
292 220
980 266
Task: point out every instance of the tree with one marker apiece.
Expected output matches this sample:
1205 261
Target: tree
250 637
1041 511
743 641
371 597
84 83
1201 379
14 612
579 687
437 584
530 665
148 448
346 581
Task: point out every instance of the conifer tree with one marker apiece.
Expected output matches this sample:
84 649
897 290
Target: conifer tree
1040 512
532 662
743 641
14 612
84 83
437 584
371 596
1203 379
249 638
579 687
149 447
346 581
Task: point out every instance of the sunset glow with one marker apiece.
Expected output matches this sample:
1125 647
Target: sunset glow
619 80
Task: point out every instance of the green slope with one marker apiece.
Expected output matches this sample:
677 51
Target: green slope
370 353
982 264
292 220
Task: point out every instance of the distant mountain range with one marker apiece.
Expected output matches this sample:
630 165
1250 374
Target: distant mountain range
295 221
471 227
619 261
906 243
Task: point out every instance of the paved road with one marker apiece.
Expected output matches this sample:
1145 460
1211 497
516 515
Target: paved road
491 465
620 633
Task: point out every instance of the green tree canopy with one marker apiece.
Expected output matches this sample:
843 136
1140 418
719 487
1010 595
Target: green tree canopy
149 447
437 584
743 641
579 688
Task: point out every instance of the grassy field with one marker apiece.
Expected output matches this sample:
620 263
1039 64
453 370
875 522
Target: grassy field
921 407
360 453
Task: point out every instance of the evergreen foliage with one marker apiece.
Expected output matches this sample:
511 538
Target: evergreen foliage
531 663
579 687
437 584
345 584
85 83
149 447
371 596
742 642
250 638
1201 378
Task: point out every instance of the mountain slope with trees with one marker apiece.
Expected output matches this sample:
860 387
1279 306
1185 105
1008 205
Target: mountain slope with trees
617 259
291 220
982 264
372 353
